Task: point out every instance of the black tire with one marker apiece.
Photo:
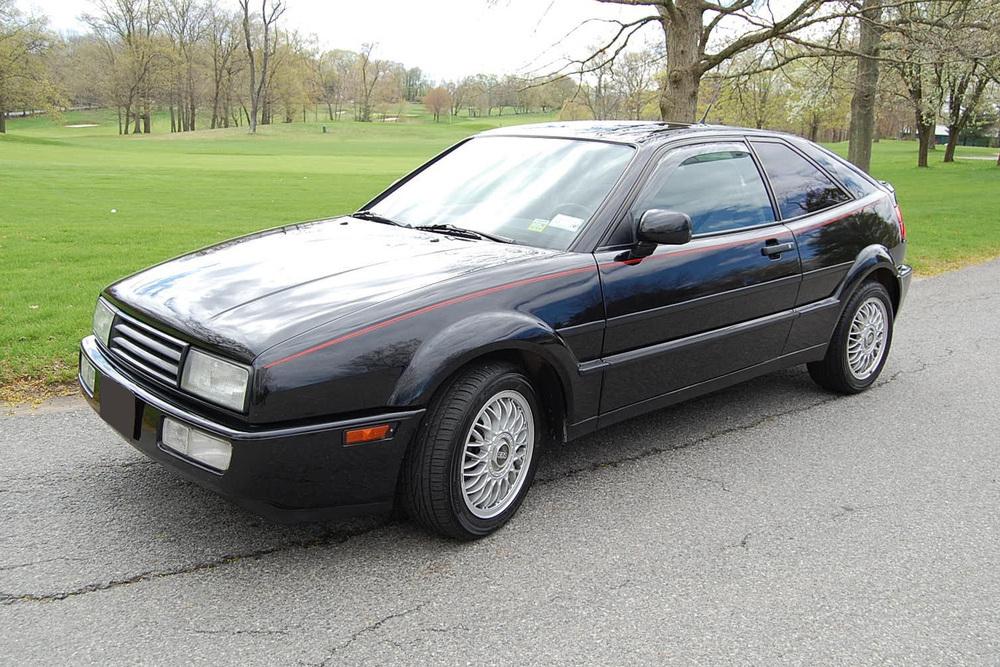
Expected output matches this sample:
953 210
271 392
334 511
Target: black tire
834 372
430 485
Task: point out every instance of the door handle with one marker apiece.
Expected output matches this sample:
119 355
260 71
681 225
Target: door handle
773 249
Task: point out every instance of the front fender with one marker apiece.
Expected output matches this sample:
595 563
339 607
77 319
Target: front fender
479 335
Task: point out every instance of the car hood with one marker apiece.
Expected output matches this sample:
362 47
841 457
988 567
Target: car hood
248 294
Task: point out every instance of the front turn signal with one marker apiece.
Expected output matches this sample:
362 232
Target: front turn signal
357 436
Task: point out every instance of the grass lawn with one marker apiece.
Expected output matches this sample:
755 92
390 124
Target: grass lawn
81 207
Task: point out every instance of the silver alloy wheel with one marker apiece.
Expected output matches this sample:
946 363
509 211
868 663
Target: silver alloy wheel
867 337
497 454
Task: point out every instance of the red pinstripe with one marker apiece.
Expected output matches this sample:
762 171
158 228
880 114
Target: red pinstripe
426 309
517 283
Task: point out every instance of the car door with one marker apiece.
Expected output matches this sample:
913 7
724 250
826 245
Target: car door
831 228
715 305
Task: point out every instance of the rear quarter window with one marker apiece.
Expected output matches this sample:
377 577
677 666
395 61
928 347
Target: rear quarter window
799 187
857 182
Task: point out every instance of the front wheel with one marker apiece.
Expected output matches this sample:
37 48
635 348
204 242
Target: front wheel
860 344
475 455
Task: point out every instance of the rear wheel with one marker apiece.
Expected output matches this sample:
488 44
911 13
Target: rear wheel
860 343
475 455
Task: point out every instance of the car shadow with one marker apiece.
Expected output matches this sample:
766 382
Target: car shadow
157 499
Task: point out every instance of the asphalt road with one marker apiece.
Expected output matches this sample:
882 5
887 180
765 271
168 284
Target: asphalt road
771 522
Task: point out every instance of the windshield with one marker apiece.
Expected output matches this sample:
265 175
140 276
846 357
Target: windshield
535 191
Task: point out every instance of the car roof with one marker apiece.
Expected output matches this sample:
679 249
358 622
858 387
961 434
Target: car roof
618 131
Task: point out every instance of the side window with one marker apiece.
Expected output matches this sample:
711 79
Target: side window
798 186
856 182
717 185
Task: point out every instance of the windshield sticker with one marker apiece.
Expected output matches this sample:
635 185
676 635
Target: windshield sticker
538 225
567 222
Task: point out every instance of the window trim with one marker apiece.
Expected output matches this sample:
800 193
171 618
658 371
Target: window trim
661 153
777 209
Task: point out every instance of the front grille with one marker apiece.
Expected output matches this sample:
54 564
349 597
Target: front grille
146 349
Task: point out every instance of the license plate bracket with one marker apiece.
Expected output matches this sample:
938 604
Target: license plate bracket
119 407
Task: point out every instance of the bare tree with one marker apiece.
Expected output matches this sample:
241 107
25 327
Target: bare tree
258 81
634 75
185 22
369 71
224 43
598 90
966 79
438 101
127 29
690 29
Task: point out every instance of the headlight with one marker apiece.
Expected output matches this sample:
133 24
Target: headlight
103 318
215 380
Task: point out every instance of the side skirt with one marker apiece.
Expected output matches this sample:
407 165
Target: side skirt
814 353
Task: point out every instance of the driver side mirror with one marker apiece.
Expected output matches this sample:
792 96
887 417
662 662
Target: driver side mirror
660 227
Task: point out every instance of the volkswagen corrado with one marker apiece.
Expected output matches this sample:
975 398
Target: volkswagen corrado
525 287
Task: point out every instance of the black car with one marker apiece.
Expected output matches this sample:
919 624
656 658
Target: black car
527 286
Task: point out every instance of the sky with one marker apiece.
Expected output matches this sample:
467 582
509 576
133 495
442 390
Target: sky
448 39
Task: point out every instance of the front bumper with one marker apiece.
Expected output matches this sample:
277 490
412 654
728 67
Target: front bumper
295 473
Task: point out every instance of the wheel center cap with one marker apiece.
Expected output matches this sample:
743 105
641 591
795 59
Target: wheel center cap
501 455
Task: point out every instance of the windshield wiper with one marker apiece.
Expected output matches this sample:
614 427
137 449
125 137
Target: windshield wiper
462 231
375 217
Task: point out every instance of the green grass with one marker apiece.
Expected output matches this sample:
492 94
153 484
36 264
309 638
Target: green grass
80 207
952 211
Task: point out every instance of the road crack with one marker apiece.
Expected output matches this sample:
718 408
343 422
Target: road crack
239 632
339 537
328 539
370 628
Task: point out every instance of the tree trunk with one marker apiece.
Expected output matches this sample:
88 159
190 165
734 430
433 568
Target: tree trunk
862 127
961 109
682 30
3 122
949 150
925 134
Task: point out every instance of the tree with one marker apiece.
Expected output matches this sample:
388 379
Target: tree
268 24
24 75
598 91
634 76
414 84
224 42
128 29
818 94
438 101
333 77
368 72
185 22
862 127
756 92
691 27
966 78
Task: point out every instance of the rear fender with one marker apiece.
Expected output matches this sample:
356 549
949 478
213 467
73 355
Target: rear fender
869 260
